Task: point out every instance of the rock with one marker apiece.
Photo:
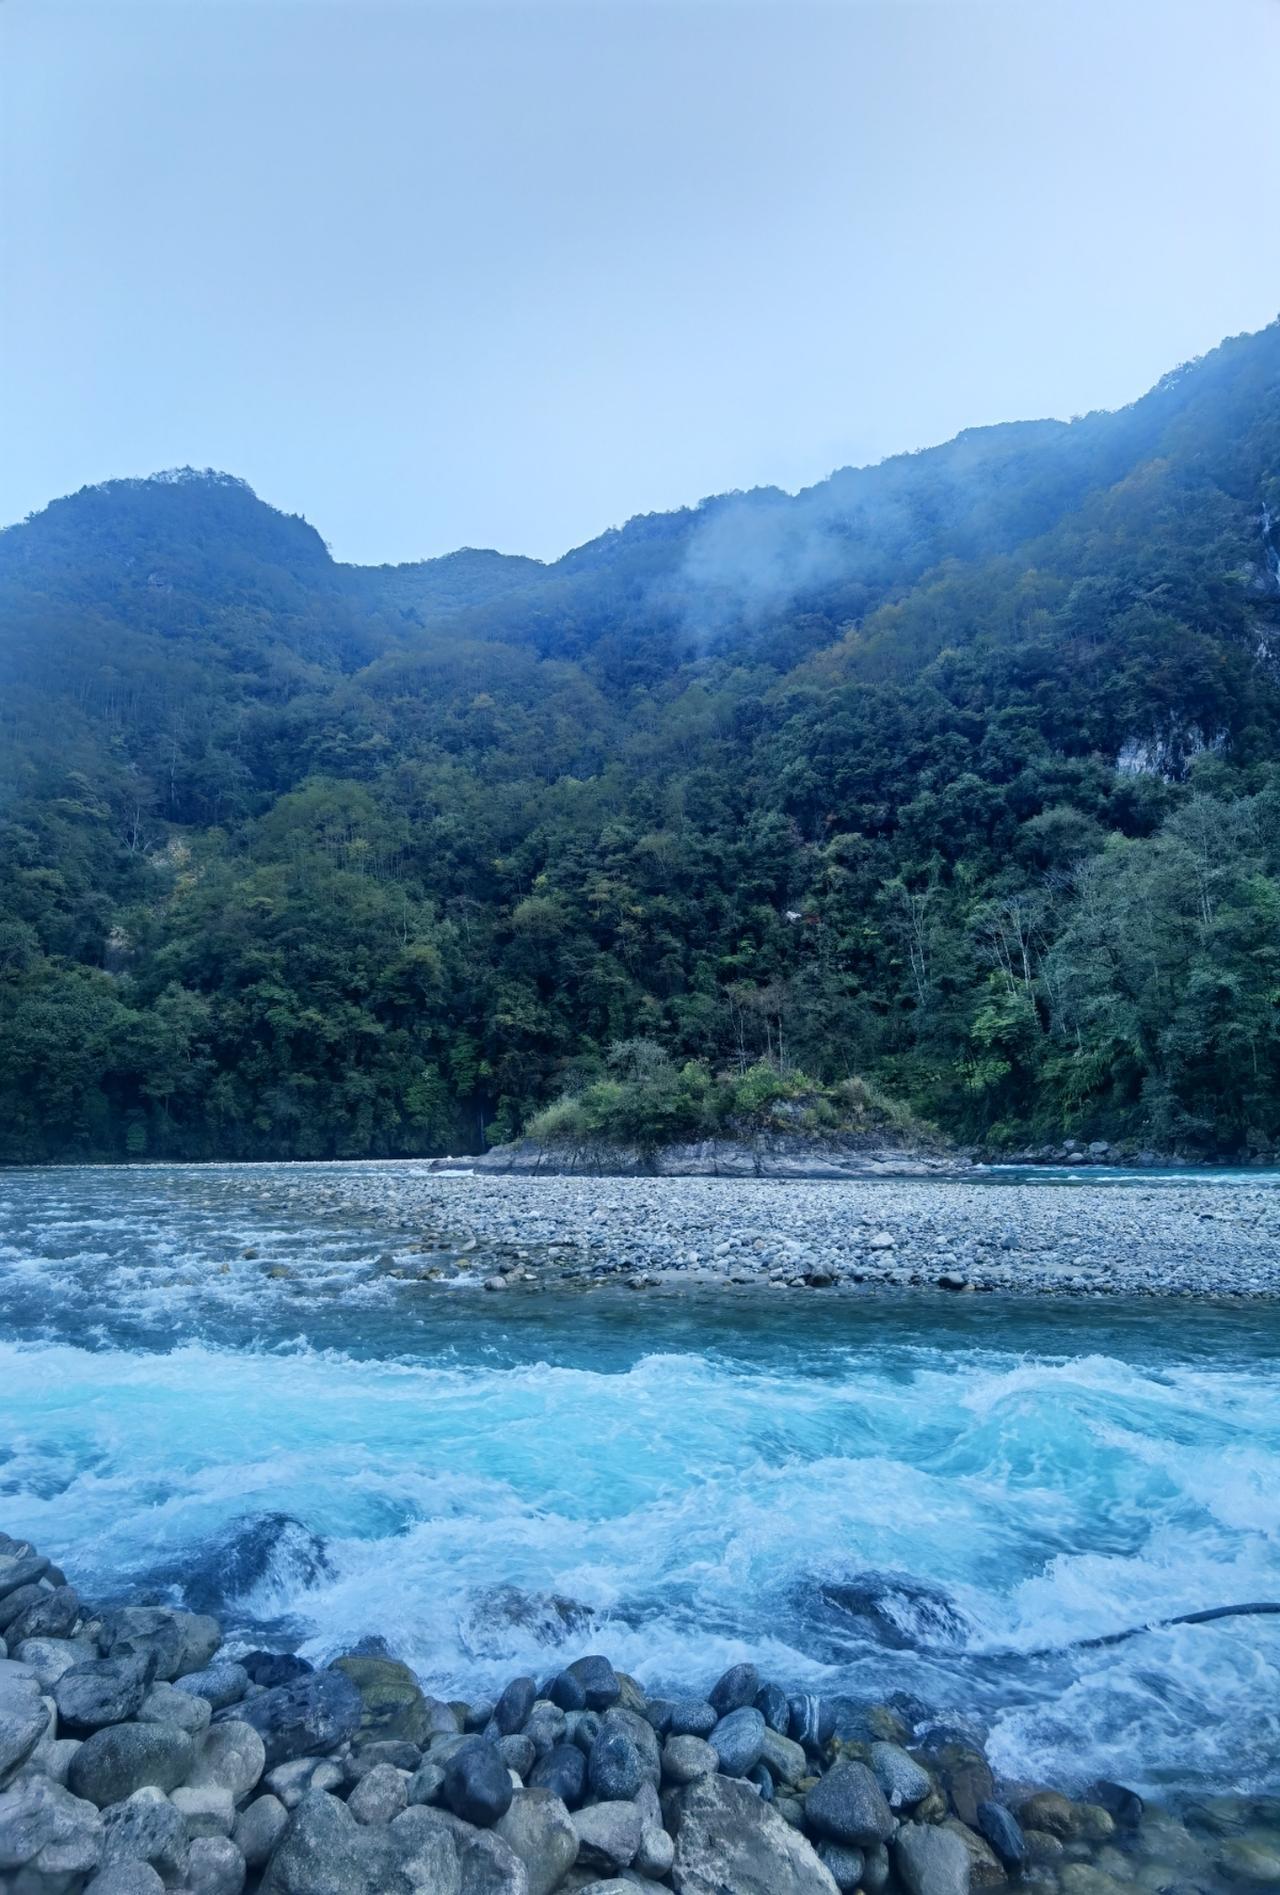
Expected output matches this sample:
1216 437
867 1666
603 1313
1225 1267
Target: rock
563 1771
545 1726
476 1784
847 1805
270 1669
293 1780
608 1835
20 1565
125 1878
259 1547
380 1795
207 1809
642 1736
738 1740
215 1867
55 1614
441 1717
146 1828
438 1854
103 1691
325 1851
1253 1860
113 1763
406 1757
738 1687
656 1853
985 1867
930 1861
567 1692
811 1720
426 1783
966 1778
231 1756
771 1702
685 1759
511 1712
219 1685
614 1770
49 1658
693 1717
52 1757
14 1604
876 1869
1057 1815
311 1715
165 1704
1124 1806
599 1681
391 1699
539 1830
259 1828
845 1866
901 1778
23 1722
726 1838
1001 1829
180 1642
785 1761
46 1829
657 1714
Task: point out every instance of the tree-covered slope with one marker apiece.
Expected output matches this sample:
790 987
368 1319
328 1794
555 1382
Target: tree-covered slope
960 773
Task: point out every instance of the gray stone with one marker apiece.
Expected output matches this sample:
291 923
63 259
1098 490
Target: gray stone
476 1784
1002 1830
14 1604
180 1642
517 1752
693 1717
103 1691
582 1728
426 1783
545 1726
293 1780
930 1860
146 1828
259 1827
46 1829
392 1704
564 1772
305 1718
52 1757
608 1835
207 1809
641 1734
738 1741
165 1704
656 1852
219 1685
845 1866
325 1851
125 1878
901 1778
49 1658
847 1805
539 1830
20 1565
21 1729
727 1838
215 1867
599 1681
614 1769
230 1756
739 1687
439 1855
113 1763
55 1614
785 1761
685 1759
513 1707
379 1795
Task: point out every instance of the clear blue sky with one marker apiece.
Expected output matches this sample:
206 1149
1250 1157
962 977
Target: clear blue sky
504 275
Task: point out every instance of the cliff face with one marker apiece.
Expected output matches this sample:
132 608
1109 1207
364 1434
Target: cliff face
771 1155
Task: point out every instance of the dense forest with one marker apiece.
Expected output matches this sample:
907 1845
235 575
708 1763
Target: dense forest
958 776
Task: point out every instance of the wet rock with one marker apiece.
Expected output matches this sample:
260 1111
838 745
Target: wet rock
582 1728
771 1702
847 1805
539 1830
1251 1860
54 1614
738 1687
685 1759
1050 1811
125 1878
15 1603
545 1726
219 1685
845 1866
568 1692
20 1565
1124 1806
379 1796
50 1658
47 1830
608 1835
260 1548
614 1769
476 1784
511 1712
179 1642
640 1734
206 1809
785 1761
1002 1830
259 1828
52 1757
985 1867
901 1778
215 1867
517 1752
302 1719
270 1669
930 1861
738 1740
146 1828
165 1704
111 1764
231 1756
599 1681
693 1717
966 1777
726 1838
103 1691
392 1703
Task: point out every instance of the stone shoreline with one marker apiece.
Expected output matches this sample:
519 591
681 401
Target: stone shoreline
1189 1238
138 1752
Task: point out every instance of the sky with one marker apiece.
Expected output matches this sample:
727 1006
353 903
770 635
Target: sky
504 275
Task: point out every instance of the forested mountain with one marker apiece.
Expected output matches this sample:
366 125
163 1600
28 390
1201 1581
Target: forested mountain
960 773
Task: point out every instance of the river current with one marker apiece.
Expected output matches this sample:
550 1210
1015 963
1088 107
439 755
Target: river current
216 1398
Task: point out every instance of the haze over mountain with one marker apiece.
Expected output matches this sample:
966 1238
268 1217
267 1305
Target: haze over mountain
960 773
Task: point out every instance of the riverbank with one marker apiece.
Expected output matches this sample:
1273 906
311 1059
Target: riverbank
140 1751
673 1235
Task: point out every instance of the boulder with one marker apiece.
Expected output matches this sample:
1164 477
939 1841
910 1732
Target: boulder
966 1777
325 1851
1003 1832
219 1685
738 1740
54 1614
563 1771
24 1720
685 1759
727 1838
49 1658
517 1752
785 1761
178 1641
45 1829
304 1718
599 1681
231 1756
380 1795
215 1867
614 1769
477 1786
845 1866
847 1805
103 1691
259 1828
693 1717
608 1835
930 1860
146 1828
740 1686
165 1704
904 1782
391 1699
113 1763
20 1565
539 1830
511 1712
272 1668
437 1854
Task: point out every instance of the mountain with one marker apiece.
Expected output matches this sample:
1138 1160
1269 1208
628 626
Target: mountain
958 774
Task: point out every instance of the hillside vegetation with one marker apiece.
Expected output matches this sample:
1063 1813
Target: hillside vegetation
959 775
